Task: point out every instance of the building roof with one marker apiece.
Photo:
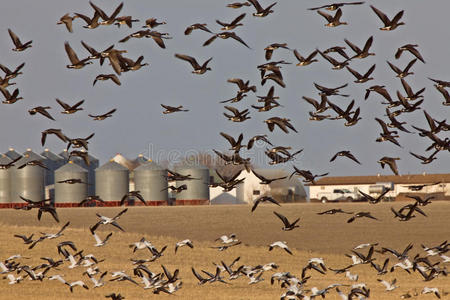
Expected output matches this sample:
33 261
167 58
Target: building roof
401 179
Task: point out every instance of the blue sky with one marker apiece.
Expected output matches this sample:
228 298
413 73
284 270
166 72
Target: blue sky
139 126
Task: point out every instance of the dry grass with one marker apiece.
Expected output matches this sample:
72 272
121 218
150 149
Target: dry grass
329 237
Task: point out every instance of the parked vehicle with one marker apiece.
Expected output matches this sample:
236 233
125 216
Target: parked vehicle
338 195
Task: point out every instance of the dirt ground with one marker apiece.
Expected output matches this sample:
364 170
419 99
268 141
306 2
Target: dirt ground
326 236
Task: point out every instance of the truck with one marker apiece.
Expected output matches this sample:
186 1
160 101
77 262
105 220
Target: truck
338 195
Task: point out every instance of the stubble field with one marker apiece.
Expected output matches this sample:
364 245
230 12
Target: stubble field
326 236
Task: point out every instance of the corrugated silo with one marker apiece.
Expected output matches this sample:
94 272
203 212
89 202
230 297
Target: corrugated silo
93 164
27 182
112 181
197 189
52 161
149 180
5 180
70 193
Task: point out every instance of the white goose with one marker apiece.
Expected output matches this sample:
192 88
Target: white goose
435 291
13 280
182 243
100 242
99 282
228 239
390 286
280 244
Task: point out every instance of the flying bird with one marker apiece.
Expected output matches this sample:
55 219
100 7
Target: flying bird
261 12
103 116
389 24
17 43
288 226
103 77
75 62
172 109
42 110
197 68
263 199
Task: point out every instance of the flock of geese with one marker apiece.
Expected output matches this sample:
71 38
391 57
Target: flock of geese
166 281
427 264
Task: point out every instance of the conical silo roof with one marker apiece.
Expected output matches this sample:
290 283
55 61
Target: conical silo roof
71 167
149 165
122 160
64 154
111 165
5 159
29 155
13 154
51 155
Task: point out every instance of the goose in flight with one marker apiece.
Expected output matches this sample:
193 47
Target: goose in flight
152 23
70 109
172 109
409 48
402 73
264 199
103 77
334 211
75 62
196 26
333 21
103 116
233 24
11 74
135 194
225 35
389 24
305 61
345 153
182 243
197 68
261 12
67 21
287 225
282 245
107 20
106 220
390 161
97 282
99 242
361 215
390 286
18 46
225 239
10 98
42 110
335 6
238 4
374 200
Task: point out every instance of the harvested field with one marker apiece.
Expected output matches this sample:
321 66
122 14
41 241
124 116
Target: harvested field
326 236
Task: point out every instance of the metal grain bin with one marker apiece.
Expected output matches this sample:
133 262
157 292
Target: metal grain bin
27 182
5 180
93 165
149 180
70 193
197 189
112 181
52 161
13 154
